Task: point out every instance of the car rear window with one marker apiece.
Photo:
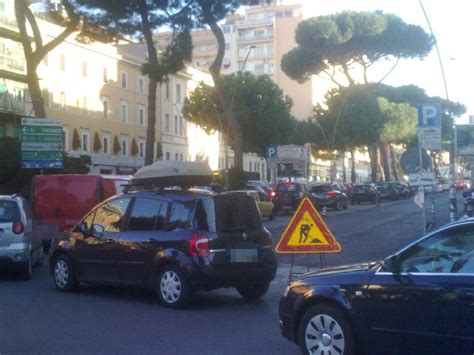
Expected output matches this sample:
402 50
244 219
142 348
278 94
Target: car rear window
9 211
321 188
228 213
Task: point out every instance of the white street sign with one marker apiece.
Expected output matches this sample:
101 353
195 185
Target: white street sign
420 198
430 137
423 179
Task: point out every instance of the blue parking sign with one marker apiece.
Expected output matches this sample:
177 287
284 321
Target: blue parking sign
271 152
429 115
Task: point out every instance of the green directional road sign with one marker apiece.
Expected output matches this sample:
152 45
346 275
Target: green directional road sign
41 143
42 130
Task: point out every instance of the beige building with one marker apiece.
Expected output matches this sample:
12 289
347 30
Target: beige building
263 34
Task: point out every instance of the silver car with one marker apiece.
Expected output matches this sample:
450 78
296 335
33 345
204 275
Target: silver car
20 247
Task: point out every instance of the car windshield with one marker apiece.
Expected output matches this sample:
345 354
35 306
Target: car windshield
9 211
228 213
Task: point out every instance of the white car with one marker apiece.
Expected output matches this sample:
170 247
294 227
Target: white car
20 247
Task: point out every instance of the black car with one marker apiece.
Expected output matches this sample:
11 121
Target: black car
288 195
365 193
417 301
175 242
329 194
388 191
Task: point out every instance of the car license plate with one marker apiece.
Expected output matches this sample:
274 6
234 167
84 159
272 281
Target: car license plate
243 255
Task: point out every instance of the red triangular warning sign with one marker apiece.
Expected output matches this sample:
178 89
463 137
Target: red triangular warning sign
307 233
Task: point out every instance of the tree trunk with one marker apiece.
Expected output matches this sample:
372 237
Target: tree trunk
35 91
215 70
374 162
353 170
394 164
152 85
385 165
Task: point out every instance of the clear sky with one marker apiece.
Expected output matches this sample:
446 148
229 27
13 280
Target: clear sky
453 25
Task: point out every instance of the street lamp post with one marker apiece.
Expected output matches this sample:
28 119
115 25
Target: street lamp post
227 136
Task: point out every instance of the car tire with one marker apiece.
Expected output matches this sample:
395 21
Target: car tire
173 288
345 205
27 269
64 277
253 292
326 327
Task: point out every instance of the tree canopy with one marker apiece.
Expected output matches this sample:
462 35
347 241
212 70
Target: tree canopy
259 105
349 40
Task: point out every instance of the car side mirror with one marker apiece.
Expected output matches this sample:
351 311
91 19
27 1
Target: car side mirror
391 264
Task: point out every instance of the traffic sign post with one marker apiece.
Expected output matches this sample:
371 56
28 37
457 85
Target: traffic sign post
307 233
42 143
272 162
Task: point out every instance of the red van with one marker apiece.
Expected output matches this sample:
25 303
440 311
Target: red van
60 201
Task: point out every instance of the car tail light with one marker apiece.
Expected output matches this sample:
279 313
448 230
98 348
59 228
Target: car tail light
199 245
331 194
272 193
18 227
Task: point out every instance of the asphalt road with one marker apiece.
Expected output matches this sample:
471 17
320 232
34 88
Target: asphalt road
37 319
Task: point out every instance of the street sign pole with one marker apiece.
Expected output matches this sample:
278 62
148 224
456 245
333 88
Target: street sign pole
421 189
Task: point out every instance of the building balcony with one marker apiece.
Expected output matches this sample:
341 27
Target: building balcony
9 103
255 38
12 64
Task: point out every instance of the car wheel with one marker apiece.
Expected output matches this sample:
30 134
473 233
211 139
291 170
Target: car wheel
253 292
324 329
173 289
63 274
27 269
345 205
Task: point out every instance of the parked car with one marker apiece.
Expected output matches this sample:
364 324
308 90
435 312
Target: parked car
403 189
59 201
266 186
265 206
288 195
365 193
348 188
329 194
173 241
417 301
388 191
20 246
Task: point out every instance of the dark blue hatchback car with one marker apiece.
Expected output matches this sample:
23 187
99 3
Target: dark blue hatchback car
417 301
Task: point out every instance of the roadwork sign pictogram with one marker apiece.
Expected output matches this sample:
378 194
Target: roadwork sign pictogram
307 233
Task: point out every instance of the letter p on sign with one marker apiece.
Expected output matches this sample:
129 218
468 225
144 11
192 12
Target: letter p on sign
429 115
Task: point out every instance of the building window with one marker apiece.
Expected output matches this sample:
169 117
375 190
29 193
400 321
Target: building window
141 85
141 148
250 166
63 101
105 108
167 90
175 156
65 138
124 80
178 93
124 111
106 143
181 157
84 106
226 29
141 115
167 155
124 146
227 46
62 62
167 123
85 141
84 69
105 77
176 125
181 127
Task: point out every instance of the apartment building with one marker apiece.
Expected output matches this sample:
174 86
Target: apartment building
13 87
256 42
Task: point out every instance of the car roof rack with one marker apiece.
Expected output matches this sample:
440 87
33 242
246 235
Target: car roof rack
164 175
